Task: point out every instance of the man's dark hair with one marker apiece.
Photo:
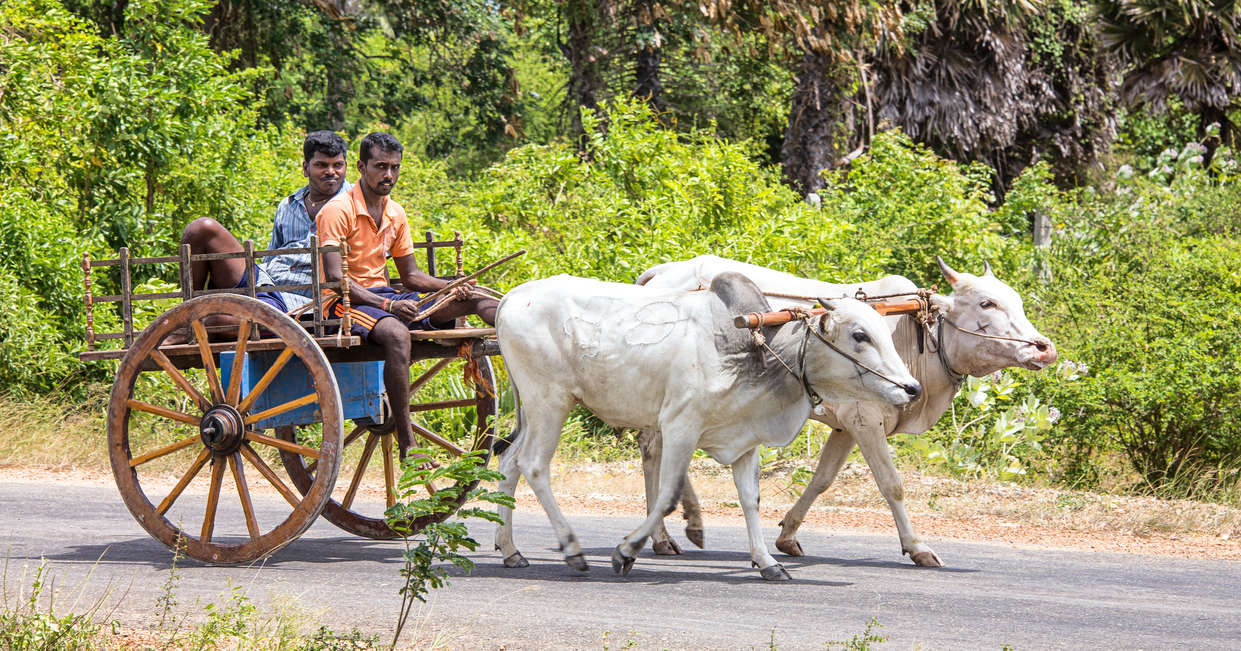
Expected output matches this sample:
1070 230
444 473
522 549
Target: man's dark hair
378 140
328 143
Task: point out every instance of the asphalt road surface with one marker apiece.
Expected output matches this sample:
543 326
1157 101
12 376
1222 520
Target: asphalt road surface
989 596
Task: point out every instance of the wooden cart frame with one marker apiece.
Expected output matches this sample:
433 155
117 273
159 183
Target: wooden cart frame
217 418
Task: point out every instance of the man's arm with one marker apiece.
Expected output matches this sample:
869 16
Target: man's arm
358 295
414 278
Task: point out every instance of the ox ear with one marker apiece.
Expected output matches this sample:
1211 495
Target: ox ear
986 269
944 303
949 274
827 322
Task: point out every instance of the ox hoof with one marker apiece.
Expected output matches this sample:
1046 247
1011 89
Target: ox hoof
775 573
696 536
790 547
666 548
577 562
926 559
621 564
516 560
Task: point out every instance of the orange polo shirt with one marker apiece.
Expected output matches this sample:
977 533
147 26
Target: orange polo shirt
345 219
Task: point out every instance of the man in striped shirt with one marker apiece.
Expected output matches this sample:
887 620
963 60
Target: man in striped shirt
323 164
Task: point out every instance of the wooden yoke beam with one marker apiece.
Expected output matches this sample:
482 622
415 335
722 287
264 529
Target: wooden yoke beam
763 319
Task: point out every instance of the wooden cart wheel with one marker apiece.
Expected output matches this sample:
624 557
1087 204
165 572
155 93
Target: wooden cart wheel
462 422
176 423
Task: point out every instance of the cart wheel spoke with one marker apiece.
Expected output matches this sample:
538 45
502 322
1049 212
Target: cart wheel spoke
239 355
204 351
270 475
166 450
243 492
270 375
213 498
354 483
142 430
162 411
428 374
283 445
427 434
389 470
189 475
442 404
280 409
180 380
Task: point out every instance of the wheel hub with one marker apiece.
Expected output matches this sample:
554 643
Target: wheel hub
222 430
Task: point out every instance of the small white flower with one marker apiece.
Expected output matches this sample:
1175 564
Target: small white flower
1053 415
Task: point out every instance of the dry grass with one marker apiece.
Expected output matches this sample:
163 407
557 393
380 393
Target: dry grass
46 437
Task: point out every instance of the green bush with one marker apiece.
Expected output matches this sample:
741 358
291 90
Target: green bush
1164 341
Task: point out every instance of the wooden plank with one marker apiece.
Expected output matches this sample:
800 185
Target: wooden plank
431 254
458 333
181 351
116 262
127 307
316 287
251 269
90 305
117 298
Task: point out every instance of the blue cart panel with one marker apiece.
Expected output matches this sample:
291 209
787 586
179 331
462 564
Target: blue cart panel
360 383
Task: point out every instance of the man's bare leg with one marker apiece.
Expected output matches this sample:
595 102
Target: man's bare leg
485 308
206 235
393 338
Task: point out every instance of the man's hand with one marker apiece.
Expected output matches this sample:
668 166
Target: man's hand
462 292
405 311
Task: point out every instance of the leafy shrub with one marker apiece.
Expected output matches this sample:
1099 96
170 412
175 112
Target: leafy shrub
1164 339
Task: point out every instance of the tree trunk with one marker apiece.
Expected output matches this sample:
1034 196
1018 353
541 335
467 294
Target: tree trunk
820 122
649 88
580 50
1209 115
339 87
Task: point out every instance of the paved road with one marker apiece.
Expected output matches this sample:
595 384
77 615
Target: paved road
991 596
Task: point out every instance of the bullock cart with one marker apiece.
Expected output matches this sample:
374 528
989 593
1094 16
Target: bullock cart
221 396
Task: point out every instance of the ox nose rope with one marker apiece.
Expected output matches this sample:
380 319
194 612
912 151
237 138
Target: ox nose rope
956 376
816 401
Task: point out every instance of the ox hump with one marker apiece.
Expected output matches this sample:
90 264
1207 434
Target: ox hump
739 294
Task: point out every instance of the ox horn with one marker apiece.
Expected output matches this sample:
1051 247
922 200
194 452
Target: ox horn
949 274
986 269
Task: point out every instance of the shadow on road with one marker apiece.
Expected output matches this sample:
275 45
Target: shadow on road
147 551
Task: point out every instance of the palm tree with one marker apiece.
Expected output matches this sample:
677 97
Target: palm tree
1000 82
1189 49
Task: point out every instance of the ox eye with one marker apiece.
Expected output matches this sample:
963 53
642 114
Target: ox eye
861 337
986 304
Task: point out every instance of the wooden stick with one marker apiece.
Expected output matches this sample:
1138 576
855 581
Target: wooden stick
763 319
437 293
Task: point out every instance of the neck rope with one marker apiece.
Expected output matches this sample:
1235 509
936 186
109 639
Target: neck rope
815 400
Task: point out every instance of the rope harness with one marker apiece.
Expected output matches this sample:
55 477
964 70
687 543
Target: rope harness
926 317
803 316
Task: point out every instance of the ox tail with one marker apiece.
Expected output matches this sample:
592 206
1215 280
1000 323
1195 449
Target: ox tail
503 443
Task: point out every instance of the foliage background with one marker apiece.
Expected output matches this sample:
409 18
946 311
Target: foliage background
121 122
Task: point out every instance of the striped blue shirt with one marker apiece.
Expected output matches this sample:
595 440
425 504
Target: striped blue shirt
292 229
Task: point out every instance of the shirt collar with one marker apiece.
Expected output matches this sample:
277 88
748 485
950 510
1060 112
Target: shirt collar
359 206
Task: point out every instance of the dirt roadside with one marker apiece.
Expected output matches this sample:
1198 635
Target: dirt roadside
941 509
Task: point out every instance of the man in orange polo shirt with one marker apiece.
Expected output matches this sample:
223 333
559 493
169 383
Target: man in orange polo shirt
375 227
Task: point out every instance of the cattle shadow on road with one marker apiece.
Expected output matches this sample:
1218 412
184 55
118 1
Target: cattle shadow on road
718 567
149 552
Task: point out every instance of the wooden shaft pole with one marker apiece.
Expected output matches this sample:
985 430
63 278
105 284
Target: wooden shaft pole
762 319
439 292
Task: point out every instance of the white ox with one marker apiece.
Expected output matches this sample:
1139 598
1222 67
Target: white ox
672 360
981 307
